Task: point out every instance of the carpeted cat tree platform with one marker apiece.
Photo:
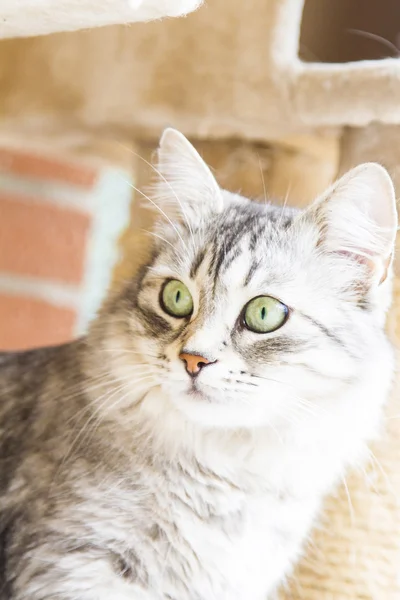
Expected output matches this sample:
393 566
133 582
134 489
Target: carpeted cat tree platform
286 93
259 70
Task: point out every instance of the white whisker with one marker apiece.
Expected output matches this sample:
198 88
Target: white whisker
262 179
160 237
157 207
349 501
168 184
284 205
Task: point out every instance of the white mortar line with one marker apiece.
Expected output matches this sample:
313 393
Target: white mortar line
112 215
57 194
57 294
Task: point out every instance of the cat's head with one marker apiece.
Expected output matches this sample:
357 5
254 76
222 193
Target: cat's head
249 313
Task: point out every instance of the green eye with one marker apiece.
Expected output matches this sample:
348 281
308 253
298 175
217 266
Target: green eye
176 299
265 314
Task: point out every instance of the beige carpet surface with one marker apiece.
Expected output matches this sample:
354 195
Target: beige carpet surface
25 18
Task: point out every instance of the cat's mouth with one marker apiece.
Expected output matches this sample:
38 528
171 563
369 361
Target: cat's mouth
195 390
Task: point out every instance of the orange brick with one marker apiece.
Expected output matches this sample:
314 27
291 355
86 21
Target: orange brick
27 323
42 240
29 164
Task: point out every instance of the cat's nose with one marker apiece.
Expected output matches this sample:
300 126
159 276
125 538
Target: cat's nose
195 362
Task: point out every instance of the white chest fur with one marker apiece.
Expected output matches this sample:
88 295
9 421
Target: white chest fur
243 553
228 533
202 545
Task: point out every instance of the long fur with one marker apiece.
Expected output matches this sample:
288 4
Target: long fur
121 481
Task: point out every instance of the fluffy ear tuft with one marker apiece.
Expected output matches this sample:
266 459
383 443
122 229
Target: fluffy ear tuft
357 216
185 188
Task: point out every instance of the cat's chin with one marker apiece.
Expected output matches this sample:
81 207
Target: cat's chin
211 409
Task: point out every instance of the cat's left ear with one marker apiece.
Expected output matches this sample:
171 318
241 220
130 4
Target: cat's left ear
357 217
185 188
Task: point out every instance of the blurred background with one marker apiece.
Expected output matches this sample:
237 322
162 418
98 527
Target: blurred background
60 222
279 96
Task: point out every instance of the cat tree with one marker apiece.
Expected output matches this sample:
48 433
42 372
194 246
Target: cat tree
278 92
37 17
229 69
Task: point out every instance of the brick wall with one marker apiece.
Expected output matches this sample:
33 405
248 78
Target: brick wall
59 224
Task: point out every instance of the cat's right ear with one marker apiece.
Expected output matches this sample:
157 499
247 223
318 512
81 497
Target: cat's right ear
357 217
185 189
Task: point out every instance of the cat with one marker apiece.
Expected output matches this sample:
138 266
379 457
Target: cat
183 448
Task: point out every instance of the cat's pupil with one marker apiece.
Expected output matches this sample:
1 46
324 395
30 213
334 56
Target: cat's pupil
263 312
177 297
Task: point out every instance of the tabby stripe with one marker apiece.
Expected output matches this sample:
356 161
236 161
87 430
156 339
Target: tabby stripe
197 263
229 251
254 267
327 332
154 322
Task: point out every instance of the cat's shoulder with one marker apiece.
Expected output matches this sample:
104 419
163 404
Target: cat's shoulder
29 371
32 386
36 358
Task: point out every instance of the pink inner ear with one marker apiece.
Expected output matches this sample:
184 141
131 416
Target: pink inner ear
361 258
369 262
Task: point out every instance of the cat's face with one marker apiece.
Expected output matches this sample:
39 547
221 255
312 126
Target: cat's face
249 313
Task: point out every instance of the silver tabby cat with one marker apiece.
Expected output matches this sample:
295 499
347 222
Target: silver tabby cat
182 450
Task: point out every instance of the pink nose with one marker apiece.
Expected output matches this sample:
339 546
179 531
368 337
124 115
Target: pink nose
194 362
